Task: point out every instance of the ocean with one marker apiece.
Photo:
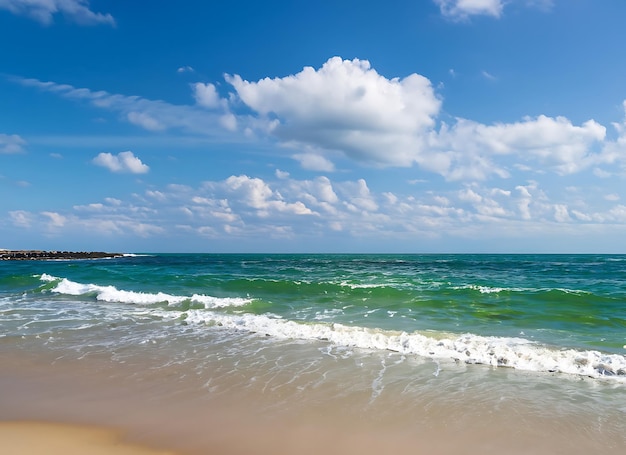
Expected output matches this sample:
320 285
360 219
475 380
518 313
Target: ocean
528 344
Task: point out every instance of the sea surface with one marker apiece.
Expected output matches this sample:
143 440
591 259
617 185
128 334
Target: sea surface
397 333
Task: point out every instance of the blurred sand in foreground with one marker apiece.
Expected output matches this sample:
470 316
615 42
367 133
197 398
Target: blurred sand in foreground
32 438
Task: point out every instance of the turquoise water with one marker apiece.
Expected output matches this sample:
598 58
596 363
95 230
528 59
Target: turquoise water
541 313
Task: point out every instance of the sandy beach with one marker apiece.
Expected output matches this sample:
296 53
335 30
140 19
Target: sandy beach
29 438
92 406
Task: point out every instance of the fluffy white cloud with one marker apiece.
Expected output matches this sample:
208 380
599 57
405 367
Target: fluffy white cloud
462 9
247 209
11 143
357 196
555 143
345 106
43 11
122 162
257 194
346 110
206 95
613 152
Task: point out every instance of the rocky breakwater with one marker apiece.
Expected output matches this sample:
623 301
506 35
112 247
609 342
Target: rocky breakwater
34 255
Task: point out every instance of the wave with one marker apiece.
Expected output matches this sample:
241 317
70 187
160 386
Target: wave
512 352
517 353
112 294
497 290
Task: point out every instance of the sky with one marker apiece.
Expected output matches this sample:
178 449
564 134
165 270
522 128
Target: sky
406 126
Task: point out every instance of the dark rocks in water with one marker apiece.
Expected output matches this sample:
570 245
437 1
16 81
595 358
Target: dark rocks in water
34 255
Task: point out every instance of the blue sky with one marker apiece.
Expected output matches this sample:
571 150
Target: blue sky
329 126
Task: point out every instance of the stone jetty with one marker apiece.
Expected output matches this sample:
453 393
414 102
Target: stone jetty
34 255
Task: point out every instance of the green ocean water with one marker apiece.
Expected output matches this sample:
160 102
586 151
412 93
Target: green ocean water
544 313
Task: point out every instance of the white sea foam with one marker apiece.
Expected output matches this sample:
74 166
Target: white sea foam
361 285
112 294
48 278
517 353
485 289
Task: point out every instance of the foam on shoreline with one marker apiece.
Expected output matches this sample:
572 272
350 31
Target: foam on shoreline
235 406
518 353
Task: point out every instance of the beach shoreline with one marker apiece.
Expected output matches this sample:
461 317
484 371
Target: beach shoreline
151 406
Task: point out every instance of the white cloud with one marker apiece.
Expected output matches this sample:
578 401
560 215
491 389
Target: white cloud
55 220
488 76
357 196
460 10
21 218
281 174
318 192
314 162
157 195
486 204
601 173
555 143
257 194
95 207
581 216
206 95
463 9
346 110
523 202
345 106
11 143
244 208
122 162
613 151
470 196
185 69
145 120
43 11
561 214
112 201
228 121
153 115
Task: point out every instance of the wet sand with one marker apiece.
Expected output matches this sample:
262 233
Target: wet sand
137 407
32 438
